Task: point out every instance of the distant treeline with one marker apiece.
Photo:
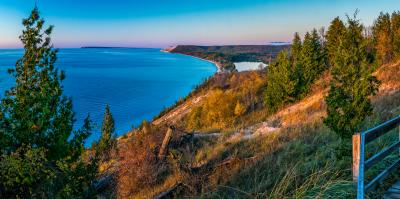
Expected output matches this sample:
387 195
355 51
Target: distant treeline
232 49
225 56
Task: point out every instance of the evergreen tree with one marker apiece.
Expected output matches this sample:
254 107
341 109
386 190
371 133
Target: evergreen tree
383 38
296 62
319 56
296 48
41 156
312 60
107 140
306 62
352 83
281 84
335 33
395 22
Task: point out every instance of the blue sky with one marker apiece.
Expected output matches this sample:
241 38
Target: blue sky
161 23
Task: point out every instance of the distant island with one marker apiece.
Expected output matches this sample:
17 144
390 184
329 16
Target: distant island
105 47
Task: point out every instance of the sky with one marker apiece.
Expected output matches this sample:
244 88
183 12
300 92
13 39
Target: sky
163 23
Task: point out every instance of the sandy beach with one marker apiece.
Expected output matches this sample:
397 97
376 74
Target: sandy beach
219 68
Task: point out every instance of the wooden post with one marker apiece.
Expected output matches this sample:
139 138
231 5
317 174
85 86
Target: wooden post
358 163
356 156
164 147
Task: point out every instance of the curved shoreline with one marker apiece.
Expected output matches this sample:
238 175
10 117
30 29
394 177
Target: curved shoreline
219 68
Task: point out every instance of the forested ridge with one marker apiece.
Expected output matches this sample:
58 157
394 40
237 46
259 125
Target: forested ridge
225 56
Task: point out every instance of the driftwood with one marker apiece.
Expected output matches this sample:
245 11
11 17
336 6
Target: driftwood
164 147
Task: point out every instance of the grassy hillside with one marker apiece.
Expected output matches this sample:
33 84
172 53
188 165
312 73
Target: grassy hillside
287 154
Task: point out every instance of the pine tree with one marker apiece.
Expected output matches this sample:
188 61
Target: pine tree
107 140
319 56
296 48
37 142
383 38
395 22
306 62
335 33
34 112
312 60
352 83
281 85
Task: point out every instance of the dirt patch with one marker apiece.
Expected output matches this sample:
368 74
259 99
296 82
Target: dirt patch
180 111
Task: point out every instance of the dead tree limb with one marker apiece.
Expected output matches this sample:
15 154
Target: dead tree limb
164 147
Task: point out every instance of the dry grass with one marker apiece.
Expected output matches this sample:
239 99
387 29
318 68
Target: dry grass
309 109
277 177
138 165
389 75
286 162
296 161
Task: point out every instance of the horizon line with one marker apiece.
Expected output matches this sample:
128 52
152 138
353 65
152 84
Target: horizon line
276 43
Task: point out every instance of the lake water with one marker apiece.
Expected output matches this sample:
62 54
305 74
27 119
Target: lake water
248 66
136 83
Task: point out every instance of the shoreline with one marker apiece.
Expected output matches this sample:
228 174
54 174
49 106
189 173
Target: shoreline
219 68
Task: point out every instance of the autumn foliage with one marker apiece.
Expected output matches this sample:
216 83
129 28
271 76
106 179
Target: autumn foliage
222 106
386 37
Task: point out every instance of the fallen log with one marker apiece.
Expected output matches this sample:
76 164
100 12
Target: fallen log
164 147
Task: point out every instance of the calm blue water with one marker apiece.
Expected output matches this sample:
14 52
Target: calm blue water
136 83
